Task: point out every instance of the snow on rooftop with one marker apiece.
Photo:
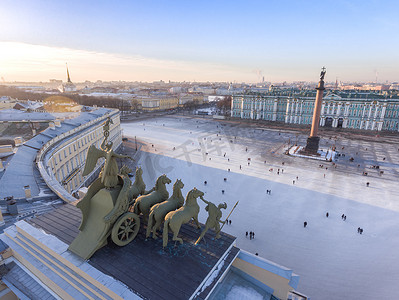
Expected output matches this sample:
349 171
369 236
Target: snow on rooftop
19 172
17 115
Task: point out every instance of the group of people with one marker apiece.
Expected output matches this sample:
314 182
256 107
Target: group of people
343 217
251 235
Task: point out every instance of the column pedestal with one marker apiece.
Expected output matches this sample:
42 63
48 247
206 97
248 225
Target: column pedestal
312 145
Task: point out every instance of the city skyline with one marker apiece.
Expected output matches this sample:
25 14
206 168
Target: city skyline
184 41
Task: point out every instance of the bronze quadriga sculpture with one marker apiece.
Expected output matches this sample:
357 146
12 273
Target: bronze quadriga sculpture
105 207
175 219
159 211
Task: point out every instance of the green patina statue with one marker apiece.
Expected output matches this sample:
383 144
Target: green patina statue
214 216
175 219
138 187
109 172
106 126
105 207
159 211
160 194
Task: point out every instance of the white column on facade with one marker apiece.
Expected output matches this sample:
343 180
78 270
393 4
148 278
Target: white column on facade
323 105
322 114
370 109
382 115
346 114
374 124
242 108
274 118
252 109
263 108
300 111
232 107
258 108
347 107
362 121
292 109
339 109
287 111
377 110
369 116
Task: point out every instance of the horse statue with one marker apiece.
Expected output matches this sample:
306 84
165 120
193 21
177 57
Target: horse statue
175 219
160 194
138 187
159 211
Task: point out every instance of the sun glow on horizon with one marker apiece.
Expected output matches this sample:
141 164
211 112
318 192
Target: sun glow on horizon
28 62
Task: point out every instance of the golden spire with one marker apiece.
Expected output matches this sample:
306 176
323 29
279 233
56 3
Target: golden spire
69 79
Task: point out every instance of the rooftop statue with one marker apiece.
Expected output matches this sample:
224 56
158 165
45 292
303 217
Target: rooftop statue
105 207
160 194
323 72
138 187
106 125
175 219
159 211
109 172
214 216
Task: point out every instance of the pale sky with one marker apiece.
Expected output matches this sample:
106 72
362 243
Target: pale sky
199 40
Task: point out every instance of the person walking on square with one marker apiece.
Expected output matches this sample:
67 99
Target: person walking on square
305 224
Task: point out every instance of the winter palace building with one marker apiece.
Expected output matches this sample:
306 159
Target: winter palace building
346 109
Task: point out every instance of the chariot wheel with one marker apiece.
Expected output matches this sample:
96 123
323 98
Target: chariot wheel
125 229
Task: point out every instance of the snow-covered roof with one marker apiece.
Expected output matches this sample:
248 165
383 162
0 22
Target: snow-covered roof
18 115
20 169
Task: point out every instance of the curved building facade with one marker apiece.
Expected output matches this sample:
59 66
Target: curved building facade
61 160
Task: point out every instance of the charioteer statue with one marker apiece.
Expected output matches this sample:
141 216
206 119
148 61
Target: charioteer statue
105 207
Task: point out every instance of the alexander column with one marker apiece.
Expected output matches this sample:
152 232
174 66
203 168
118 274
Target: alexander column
312 143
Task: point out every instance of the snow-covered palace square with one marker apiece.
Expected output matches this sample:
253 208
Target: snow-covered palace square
333 260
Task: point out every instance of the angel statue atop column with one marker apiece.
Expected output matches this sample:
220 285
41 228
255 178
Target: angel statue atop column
109 172
323 72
